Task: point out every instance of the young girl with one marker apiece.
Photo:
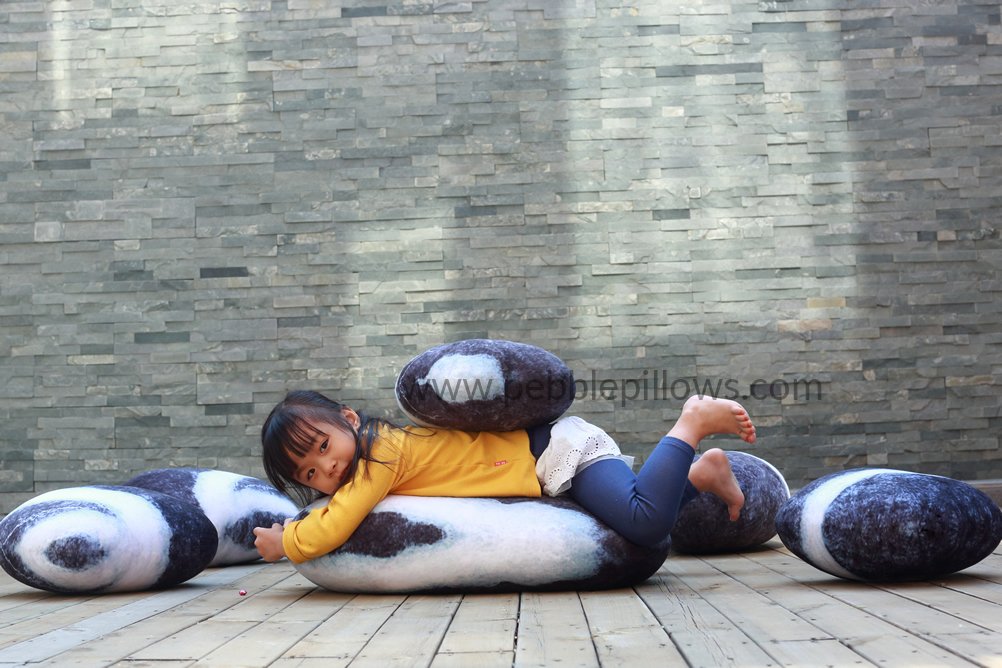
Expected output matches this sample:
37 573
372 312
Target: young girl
318 447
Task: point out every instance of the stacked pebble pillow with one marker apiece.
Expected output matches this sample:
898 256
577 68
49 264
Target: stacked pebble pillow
431 544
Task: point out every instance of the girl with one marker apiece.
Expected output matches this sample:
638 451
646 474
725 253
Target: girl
319 447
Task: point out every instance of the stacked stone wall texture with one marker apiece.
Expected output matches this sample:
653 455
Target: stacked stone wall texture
204 204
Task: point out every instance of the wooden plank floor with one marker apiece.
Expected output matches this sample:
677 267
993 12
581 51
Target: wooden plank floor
761 608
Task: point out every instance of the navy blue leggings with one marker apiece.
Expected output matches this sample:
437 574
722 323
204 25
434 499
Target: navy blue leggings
642 507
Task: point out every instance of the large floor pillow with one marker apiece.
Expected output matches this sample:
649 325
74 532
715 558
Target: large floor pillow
438 544
234 503
703 525
99 539
887 525
484 385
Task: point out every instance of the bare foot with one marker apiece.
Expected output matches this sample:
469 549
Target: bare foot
704 416
712 473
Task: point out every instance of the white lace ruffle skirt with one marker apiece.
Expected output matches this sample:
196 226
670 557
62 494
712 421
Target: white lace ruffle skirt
574 446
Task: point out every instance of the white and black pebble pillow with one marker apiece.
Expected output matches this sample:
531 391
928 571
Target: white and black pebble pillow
473 545
98 539
484 385
234 503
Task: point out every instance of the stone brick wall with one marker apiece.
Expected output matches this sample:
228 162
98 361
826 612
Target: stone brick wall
204 204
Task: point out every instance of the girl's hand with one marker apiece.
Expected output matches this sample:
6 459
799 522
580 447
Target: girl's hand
268 542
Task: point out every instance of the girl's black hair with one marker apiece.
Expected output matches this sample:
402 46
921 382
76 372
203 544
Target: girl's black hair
288 432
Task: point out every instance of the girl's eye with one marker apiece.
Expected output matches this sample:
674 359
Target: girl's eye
309 474
323 447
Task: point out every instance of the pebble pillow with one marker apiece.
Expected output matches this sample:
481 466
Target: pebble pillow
99 539
703 526
484 385
234 503
888 525
438 544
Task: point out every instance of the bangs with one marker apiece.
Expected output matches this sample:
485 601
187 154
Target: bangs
299 436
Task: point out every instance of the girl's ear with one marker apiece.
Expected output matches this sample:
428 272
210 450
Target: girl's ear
352 417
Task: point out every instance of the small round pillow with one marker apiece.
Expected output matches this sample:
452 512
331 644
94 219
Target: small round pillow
470 545
99 539
484 385
234 503
887 525
703 525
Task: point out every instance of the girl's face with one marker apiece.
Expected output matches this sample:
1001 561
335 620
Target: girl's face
324 467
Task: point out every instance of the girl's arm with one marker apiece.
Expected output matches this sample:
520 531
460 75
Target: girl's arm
326 529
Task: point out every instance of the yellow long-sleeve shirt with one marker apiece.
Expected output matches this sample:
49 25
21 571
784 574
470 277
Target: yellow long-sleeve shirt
419 462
